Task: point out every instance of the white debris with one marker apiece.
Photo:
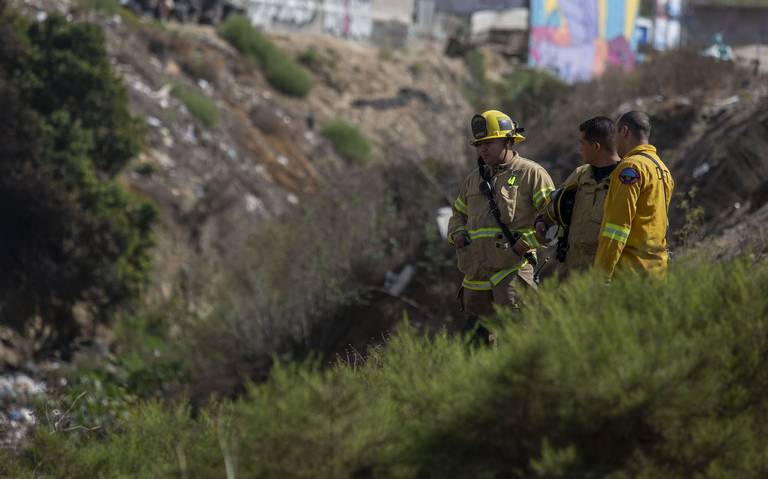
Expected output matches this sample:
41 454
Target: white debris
701 170
41 16
154 122
167 138
189 136
19 387
728 101
443 216
253 203
292 199
395 283
282 160
162 159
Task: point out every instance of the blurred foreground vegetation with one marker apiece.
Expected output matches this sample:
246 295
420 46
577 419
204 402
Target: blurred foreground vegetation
636 379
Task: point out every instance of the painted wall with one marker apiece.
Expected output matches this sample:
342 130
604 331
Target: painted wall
343 18
580 39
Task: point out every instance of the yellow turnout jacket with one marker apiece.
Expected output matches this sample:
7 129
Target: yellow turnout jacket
635 221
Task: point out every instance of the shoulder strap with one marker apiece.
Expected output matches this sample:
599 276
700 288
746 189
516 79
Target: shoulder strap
661 176
486 187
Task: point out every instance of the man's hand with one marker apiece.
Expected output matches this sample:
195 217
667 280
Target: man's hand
541 227
460 241
521 247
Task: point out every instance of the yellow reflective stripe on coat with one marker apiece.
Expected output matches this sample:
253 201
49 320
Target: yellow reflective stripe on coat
477 285
460 206
495 232
530 237
484 233
541 195
616 232
497 278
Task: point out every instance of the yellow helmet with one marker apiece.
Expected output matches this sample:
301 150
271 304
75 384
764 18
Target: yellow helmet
494 124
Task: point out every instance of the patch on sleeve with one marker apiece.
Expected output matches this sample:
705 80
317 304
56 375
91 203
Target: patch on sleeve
629 176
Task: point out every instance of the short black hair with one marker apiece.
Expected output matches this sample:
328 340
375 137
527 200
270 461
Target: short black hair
600 129
638 123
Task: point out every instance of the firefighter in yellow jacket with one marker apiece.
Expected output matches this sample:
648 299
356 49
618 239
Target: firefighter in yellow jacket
577 206
494 269
635 219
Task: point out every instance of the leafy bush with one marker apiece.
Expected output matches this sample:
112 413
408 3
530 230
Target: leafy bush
70 233
641 378
281 71
310 58
198 104
348 141
527 93
111 7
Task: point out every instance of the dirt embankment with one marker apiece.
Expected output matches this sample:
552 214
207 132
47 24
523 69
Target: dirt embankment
216 185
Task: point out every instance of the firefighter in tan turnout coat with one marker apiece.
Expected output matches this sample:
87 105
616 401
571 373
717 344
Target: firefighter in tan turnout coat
494 269
577 206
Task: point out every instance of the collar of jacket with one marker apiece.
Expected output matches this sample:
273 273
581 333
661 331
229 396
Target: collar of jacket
506 165
640 148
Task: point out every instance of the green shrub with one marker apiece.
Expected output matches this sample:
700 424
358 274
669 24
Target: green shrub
281 71
310 58
110 7
70 233
348 141
198 104
478 88
287 76
527 93
641 378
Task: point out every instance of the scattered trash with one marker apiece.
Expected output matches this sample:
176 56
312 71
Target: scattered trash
443 217
719 50
253 203
395 283
701 170
728 101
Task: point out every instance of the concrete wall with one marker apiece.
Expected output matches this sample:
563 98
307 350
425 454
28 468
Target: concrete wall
385 22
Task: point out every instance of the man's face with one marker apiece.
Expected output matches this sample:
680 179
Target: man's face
589 150
493 151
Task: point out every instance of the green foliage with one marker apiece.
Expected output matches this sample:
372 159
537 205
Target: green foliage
478 88
527 93
641 378
70 233
281 71
111 7
522 94
310 58
348 141
199 104
691 231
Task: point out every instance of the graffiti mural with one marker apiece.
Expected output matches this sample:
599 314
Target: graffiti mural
296 13
342 18
579 39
